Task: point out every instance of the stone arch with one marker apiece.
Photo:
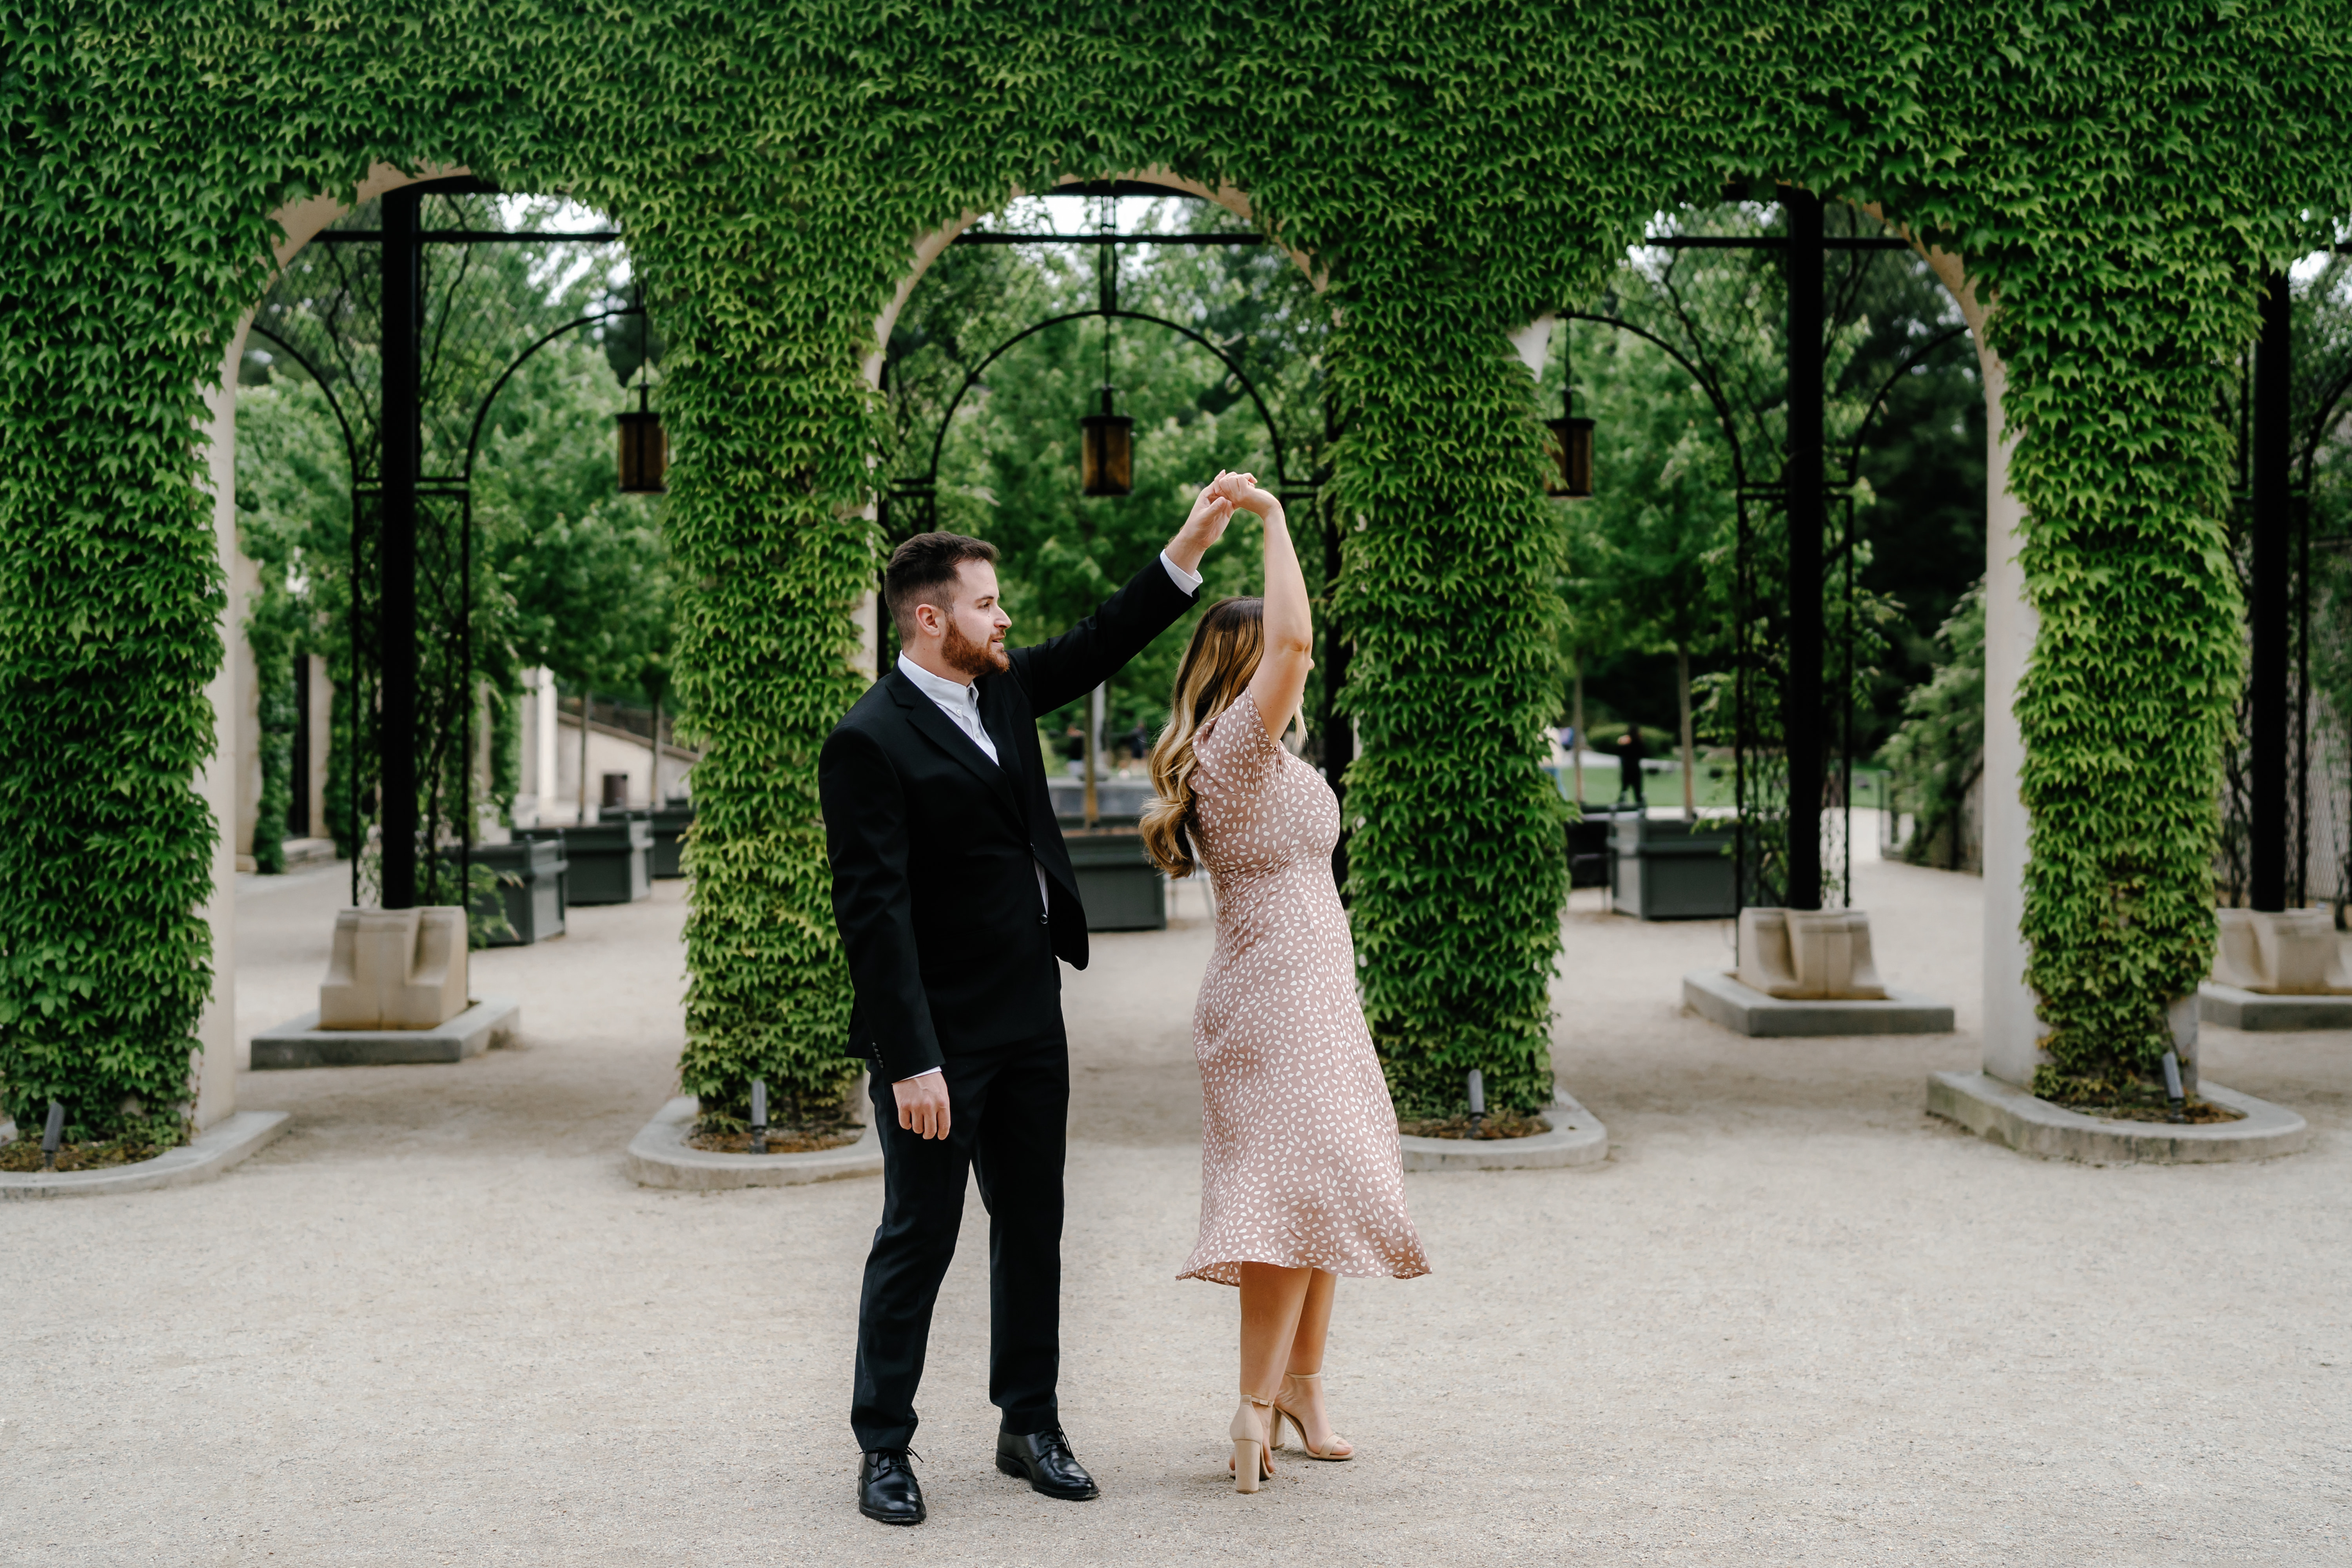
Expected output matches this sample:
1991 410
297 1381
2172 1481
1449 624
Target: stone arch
230 780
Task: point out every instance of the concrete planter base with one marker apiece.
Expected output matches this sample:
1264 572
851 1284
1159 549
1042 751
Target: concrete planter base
1577 1138
494 1020
2259 1013
202 1158
2007 1114
659 1156
1720 998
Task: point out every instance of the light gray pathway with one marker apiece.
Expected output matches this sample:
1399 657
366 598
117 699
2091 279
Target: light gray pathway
1792 1321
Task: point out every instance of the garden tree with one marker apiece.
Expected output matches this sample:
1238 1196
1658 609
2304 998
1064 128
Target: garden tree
2323 344
1651 550
1937 753
577 577
1922 467
293 518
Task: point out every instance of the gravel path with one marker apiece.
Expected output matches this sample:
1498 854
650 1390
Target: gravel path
1792 1321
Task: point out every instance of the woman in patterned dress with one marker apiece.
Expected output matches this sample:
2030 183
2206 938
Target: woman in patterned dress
1300 1179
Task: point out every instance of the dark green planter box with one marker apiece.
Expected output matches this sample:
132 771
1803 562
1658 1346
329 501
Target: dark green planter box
611 862
670 823
531 874
1590 855
1668 871
1119 886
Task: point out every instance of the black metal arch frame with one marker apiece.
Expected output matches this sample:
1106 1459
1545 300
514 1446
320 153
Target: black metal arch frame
930 481
1748 877
457 486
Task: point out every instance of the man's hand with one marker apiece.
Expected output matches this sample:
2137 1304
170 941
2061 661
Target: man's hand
1211 509
923 1104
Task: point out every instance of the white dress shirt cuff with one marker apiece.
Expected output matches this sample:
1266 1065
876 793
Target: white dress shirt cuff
1188 581
926 1072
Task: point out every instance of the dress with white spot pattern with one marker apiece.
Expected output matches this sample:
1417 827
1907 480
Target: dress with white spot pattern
1299 1138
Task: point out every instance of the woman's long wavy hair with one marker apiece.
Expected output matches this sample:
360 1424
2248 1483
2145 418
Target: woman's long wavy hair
1216 670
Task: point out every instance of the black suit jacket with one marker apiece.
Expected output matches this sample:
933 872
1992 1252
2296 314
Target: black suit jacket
933 846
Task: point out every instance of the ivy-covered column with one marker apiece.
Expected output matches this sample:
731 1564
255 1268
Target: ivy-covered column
1456 868
2120 470
763 392
111 610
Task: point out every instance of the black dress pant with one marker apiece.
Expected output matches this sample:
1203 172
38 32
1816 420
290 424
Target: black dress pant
1009 1116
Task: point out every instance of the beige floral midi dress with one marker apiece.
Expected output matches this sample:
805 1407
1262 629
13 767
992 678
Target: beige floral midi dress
1298 1149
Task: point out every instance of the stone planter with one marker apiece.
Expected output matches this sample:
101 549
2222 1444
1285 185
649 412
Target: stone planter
1121 887
1118 803
1577 1138
1669 870
660 1156
670 823
532 875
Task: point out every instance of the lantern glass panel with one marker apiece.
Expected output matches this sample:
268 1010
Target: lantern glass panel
644 454
1107 455
1571 444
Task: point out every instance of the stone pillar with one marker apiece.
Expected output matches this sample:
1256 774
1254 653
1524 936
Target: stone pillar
244 585
220 780
546 766
318 691
2012 1031
867 616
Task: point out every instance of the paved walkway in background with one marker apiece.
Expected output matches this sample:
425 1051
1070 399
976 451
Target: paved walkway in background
1791 1320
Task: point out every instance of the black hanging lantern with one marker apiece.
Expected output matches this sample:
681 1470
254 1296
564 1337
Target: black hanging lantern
1107 452
645 450
645 447
1571 441
1572 438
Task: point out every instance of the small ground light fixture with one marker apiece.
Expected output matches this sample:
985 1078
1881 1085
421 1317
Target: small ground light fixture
758 1116
52 1134
1477 1103
2172 1088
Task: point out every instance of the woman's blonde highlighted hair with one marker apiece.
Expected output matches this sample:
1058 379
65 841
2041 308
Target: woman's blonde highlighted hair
1216 670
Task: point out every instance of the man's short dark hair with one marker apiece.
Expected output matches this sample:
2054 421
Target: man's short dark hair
922 567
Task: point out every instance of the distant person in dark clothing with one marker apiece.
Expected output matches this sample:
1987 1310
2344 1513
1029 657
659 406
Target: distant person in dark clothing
1629 767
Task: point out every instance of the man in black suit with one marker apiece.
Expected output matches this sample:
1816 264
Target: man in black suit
955 896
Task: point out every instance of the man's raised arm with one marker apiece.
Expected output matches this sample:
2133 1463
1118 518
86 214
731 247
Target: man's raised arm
1063 668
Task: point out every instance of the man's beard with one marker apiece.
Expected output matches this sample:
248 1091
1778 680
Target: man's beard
974 658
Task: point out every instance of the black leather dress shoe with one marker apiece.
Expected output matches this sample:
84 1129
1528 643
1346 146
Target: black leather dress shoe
887 1488
1043 1459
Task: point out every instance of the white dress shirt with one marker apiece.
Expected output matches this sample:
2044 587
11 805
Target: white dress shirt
960 701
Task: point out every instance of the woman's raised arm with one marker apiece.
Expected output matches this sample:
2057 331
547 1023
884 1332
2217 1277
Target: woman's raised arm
1280 682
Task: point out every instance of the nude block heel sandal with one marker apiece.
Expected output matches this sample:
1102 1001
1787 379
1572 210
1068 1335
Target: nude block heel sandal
1253 1442
1289 1412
